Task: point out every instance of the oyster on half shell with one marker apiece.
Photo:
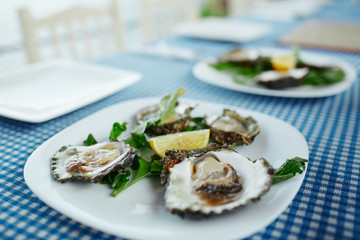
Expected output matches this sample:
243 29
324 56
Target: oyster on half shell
91 163
231 127
212 180
282 80
173 124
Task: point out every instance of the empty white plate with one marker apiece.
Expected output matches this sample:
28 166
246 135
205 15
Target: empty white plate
45 90
223 29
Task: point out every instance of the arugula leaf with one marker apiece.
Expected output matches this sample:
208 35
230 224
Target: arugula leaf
120 180
289 169
137 141
135 164
323 76
117 130
168 103
166 108
146 169
248 71
156 167
197 123
90 140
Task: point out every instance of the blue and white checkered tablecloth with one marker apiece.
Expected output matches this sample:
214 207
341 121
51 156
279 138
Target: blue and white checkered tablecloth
327 205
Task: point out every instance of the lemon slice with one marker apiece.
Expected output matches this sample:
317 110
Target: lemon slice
283 62
183 140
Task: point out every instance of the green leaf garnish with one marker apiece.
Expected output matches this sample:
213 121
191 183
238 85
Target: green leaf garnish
137 141
166 108
289 169
117 130
90 140
168 103
145 169
197 123
323 76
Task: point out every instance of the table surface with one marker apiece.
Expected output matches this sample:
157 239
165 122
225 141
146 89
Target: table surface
325 206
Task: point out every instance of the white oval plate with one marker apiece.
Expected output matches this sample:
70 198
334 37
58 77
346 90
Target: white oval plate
208 74
139 211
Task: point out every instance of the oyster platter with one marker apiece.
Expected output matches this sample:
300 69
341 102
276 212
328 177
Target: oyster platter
236 182
277 72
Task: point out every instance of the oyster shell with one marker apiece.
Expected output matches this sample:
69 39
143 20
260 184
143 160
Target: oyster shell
231 127
173 124
240 55
281 80
212 180
246 58
91 163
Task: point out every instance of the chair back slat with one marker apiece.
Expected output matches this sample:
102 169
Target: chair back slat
71 41
54 40
86 36
159 17
74 38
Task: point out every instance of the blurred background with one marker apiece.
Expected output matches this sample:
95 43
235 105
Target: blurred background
134 21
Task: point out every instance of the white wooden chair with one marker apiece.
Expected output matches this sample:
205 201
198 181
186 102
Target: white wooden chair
238 7
159 17
72 37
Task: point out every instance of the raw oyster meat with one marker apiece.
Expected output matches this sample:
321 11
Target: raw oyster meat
281 80
231 127
173 124
91 163
212 180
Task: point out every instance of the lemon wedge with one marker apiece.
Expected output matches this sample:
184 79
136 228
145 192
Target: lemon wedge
183 140
283 62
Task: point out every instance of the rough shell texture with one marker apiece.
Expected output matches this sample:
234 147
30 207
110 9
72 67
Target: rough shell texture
245 133
177 123
281 80
239 55
183 199
246 58
91 163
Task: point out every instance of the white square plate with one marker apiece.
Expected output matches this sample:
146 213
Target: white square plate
139 212
223 29
45 90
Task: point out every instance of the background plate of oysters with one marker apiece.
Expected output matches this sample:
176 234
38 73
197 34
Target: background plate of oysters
204 72
139 211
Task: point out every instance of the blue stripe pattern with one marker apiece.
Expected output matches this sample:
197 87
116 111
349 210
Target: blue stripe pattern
327 205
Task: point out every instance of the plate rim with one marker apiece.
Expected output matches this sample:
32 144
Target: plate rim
265 30
93 221
128 78
326 91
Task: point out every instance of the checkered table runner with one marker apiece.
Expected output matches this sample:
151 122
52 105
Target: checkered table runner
327 205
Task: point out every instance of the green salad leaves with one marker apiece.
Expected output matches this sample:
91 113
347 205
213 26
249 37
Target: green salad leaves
117 130
90 140
324 76
289 169
243 72
146 163
140 169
